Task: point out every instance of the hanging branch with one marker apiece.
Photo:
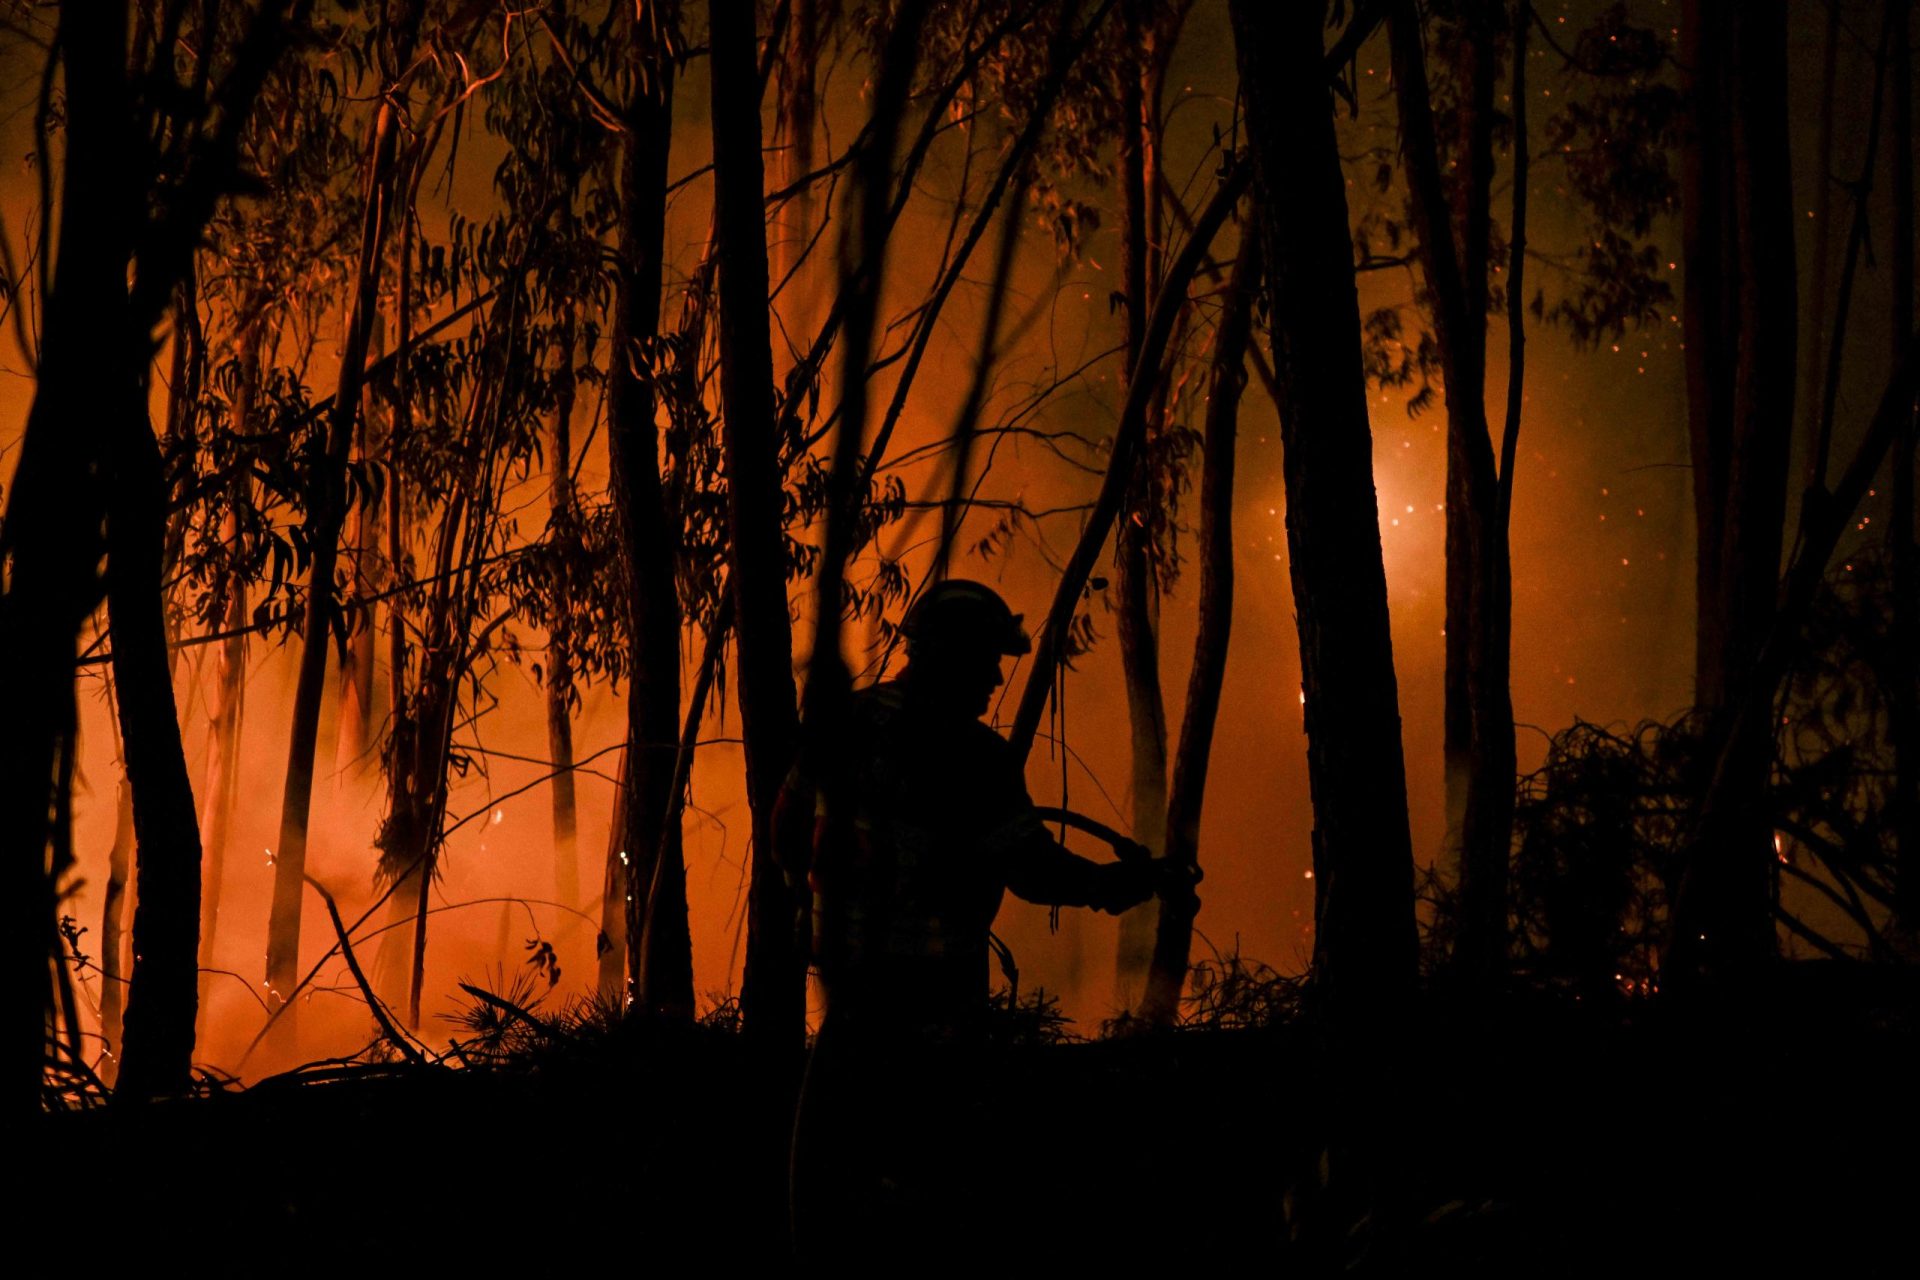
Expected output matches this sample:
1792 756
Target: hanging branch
1129 437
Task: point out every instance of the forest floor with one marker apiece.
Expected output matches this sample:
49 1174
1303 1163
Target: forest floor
1552 1139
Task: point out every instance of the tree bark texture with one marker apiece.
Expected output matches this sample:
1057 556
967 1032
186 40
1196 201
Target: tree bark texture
773 988
653 602
1364 945
1740 335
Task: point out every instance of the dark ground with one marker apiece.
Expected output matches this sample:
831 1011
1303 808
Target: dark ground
1554 1140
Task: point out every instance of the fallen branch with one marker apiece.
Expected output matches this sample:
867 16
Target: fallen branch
380 1014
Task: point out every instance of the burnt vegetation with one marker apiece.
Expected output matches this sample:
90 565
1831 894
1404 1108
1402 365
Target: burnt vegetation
387 377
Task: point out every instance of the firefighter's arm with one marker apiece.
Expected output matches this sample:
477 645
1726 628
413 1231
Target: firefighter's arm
1042 870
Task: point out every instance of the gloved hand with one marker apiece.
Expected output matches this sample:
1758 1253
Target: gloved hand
1124 884
1141 876
1174 882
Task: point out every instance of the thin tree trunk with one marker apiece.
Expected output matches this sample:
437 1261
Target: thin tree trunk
1736 180
222 784
559 666
1364 943
773 988
325 518
1135 587
1905 668
612 942
797 72
1478 718
653 602
1129 438
354 713
113 938
1816 302
1494 833
157 1056
1173 921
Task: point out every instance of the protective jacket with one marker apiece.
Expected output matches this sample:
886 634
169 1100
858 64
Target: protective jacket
936 825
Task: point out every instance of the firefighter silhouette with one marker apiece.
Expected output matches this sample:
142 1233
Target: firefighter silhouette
904 829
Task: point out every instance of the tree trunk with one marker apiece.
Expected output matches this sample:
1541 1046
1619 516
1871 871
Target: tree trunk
653 693
51 539
1478 716
157 1055
1173 921
611 946
797 76
1904 697
222 784
354 714
559 667
773 989
1740 332
1129 438
1135 587
1816 302
324 521
1364 945
113 924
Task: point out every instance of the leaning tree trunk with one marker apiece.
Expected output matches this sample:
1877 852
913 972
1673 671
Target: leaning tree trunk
1740 330
773 988
324 522
653 692
1364 941
1173 921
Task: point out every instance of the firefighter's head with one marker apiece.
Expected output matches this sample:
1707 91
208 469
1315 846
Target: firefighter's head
956 634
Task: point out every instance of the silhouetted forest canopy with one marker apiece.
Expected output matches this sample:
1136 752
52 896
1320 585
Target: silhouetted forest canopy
467 467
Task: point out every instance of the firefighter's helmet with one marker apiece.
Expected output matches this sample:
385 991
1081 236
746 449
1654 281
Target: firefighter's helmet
958 612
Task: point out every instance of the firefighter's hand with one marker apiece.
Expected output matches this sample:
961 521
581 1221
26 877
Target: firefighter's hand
1123 885
1174 882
